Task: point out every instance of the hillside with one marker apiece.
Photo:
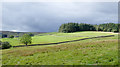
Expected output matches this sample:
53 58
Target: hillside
8 33
55 37
97 51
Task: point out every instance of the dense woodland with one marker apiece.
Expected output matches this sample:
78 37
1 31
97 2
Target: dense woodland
74 27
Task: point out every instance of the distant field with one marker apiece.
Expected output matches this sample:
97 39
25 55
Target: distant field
98 51
57 37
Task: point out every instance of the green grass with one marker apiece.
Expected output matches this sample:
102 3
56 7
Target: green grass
12 41
55 37
83 34
98 51
0 58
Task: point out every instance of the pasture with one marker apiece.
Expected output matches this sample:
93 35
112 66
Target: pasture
55 37
97 51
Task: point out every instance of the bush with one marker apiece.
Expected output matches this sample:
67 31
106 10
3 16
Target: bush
6 45
11 36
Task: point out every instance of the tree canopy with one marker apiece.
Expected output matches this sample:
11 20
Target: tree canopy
108 27
26 38
74 27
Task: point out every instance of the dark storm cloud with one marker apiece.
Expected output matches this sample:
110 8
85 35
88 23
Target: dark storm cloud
48 16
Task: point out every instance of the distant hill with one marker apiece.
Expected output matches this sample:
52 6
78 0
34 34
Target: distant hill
8 33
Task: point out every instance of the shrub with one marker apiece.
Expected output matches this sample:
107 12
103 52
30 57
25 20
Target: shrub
6 45
11 36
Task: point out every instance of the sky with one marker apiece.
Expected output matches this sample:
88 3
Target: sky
48 16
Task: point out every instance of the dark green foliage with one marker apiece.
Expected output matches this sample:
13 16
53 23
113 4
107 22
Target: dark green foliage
31 34
0 35
69 27
5 45
114 30
105 30
26 39
109 30
74 27
109 27
11 36
4 35
0 42
86 27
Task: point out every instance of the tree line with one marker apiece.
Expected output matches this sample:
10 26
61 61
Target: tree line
74 27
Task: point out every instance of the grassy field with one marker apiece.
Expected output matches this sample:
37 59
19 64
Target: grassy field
98 51
55 37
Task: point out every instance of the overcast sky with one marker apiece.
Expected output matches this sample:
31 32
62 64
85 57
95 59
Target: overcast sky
48 16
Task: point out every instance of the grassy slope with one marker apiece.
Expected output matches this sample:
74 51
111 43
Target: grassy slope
56 37
99 51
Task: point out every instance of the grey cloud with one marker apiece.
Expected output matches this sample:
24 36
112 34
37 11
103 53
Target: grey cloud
48 16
